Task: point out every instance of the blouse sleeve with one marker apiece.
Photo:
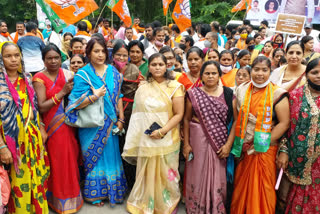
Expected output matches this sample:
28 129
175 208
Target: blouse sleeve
180 92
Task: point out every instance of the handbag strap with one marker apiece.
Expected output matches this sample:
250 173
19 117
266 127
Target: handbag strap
88 81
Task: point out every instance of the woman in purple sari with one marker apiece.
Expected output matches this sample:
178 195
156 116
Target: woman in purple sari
209 112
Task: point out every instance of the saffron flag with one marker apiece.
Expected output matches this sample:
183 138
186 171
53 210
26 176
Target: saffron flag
71 11
181 14
120 7
56 22
166 4
242 5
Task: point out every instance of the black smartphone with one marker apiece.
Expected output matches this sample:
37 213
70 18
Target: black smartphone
154 126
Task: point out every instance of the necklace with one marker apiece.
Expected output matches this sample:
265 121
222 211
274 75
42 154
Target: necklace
193 79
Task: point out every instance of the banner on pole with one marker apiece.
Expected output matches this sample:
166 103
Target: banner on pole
182 15
71 11
55 20
166 4
120 7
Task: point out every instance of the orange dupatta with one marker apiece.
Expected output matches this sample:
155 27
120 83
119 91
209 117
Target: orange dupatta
84 33
229 79
241 44
262 136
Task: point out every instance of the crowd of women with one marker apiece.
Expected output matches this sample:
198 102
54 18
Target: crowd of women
237 117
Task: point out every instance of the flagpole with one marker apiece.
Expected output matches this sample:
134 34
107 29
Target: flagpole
100 15
167 19
111 18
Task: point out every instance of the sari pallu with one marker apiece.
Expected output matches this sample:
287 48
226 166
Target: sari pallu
156 189
64 194
304 152
131 80
255 175
206 187
187 83
104 175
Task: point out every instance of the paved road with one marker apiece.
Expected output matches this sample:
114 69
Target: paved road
119 209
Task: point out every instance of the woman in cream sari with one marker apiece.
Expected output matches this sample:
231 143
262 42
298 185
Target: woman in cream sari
291 76
155 151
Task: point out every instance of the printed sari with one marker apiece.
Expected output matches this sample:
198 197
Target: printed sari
206 187
156 189
104 175
255 175
304 152
20 130
64 194
131 81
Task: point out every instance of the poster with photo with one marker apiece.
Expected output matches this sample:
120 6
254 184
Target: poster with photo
269 9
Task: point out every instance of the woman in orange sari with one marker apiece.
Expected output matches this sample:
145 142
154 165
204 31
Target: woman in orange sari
195 59
262 119
52 87
226 65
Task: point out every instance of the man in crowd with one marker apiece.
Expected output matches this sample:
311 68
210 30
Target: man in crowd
31 47
215 29
310 32
212 41
186 43
265 24
83 31
148 40
136 26
4 34
204 29
159 36
20 32
192 32
129 35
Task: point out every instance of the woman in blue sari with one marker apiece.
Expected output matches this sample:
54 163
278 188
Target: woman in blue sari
104 175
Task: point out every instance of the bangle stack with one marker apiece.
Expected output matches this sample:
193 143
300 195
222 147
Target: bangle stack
55 99
121 121
283 146
91 98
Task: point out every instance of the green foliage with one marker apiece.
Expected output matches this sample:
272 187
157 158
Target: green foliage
17 10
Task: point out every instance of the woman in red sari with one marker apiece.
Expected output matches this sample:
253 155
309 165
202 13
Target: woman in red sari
191 79
52 86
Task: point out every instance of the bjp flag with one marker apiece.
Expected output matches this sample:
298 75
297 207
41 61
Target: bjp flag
120 7
72 11
166 4
242 5
181 14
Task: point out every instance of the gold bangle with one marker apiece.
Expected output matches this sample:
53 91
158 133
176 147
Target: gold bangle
57 98
161 135
52 98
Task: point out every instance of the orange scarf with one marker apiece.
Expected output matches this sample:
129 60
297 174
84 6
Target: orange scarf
84 33
39 34
16 37
262 136
138 28
6 35
241 44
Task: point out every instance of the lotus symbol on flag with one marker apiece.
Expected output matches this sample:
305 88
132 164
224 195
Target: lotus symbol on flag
125 10
68 3
185 9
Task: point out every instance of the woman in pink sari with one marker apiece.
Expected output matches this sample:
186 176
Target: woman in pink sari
209 112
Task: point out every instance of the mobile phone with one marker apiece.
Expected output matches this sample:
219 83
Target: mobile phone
154 126
191 156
